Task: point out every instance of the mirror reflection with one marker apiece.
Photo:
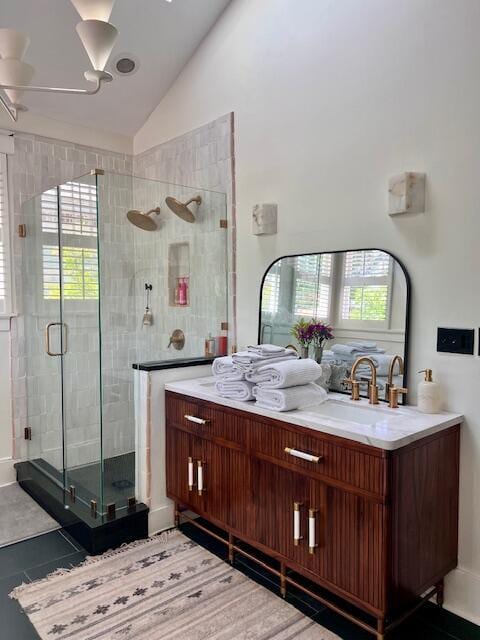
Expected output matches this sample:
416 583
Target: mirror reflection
339 307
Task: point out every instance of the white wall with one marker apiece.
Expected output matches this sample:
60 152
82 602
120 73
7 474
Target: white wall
331 97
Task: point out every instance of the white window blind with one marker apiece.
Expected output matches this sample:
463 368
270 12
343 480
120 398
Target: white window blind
271 290
4 239
366 286
78 277
313 286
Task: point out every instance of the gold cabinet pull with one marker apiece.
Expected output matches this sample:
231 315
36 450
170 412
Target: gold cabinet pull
190 474
297 535
200 477
312 524
296 453
195 419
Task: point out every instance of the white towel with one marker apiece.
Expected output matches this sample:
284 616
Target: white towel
239 390
225 369
285 374
249 357
266 349
382 362
289 399
363 345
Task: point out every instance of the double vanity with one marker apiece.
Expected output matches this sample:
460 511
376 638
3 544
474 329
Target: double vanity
356 504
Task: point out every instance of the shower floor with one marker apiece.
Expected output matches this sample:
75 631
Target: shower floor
118 479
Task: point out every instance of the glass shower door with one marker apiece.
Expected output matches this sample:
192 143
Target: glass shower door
43 337
82 426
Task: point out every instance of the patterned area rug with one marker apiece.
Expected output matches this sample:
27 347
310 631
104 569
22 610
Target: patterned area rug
165 588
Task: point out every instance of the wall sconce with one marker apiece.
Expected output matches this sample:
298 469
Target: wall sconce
406 193
264 219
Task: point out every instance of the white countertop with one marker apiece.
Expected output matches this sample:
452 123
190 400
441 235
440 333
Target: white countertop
378 426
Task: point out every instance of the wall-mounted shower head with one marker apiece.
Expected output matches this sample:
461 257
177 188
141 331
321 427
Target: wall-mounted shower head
181 208
143 220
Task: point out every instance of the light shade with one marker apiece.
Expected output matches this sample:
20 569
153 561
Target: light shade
98 38
15 72
13 44
94 9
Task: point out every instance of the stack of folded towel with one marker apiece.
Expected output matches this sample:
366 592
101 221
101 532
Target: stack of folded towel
273 375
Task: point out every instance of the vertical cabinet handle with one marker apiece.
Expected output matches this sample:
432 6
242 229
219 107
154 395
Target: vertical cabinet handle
200 477
190 474
297 536
312 541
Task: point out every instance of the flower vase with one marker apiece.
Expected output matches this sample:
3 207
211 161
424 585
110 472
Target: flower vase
319 354
304 352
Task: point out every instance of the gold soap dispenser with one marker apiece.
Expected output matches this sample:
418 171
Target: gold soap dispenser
429 394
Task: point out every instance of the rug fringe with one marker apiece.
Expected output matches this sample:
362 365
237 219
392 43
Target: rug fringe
161 538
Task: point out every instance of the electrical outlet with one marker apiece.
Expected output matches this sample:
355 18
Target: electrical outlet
455 340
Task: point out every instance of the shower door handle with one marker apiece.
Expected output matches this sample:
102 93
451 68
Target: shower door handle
64 338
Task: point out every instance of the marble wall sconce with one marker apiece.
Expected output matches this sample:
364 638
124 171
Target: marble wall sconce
264 219
406 193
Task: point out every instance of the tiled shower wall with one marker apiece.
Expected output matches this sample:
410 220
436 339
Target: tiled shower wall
203 158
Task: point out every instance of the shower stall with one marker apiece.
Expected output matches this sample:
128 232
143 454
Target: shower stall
86 270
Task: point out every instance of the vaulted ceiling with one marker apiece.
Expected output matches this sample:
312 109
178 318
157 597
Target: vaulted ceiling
161 35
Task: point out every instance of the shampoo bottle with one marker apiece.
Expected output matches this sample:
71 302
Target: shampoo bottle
429 394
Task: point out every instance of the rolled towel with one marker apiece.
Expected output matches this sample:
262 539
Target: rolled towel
289 399
382 362
225 369
285 374
236 390
349 351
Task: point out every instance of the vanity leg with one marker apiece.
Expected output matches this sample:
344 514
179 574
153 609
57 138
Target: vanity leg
176 514
231 541
283 581
380 628
440 592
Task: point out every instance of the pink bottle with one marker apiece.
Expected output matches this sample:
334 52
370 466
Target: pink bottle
182 292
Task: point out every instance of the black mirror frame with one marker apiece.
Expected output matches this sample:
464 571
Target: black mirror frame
407 302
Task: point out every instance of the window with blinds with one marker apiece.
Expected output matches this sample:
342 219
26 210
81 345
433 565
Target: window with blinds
271 291
4 238
366 286
77 279
312 292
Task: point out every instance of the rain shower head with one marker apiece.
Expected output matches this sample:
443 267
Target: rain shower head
181 208
143 220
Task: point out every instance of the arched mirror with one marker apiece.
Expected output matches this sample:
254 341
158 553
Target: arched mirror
337 307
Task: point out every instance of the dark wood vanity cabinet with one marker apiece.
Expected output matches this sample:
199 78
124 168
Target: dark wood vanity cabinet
383 524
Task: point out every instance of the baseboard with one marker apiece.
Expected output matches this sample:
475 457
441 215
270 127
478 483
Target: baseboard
462 594
7 472
160 519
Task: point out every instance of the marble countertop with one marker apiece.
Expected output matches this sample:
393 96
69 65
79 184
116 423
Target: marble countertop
378 426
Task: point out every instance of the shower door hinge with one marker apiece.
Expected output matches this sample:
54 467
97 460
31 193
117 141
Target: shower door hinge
111 511
97 172
93 508
22 230
72 492
224 326
27 433
132 504
223 224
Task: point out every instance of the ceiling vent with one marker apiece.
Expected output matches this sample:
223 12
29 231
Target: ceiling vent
125 64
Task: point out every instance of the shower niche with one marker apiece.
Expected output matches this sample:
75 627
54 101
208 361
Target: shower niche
179 274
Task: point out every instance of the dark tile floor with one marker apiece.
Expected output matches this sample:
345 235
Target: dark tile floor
35 558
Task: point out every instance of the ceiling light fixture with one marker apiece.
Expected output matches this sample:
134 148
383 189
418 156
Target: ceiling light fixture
98 37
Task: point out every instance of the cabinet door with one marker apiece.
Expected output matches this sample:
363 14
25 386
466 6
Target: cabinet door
351 552
184 453
227 481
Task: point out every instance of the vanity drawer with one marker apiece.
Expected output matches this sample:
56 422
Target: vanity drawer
202 419
320 456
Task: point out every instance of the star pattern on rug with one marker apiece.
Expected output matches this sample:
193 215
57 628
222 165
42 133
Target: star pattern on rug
101 610
57 629
226 580
197 594
158 584
175 576
122 600
80 620
139 591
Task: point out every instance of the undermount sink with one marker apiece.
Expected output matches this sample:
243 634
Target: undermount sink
336 410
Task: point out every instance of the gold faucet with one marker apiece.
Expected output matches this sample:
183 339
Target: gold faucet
391 368
372 383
